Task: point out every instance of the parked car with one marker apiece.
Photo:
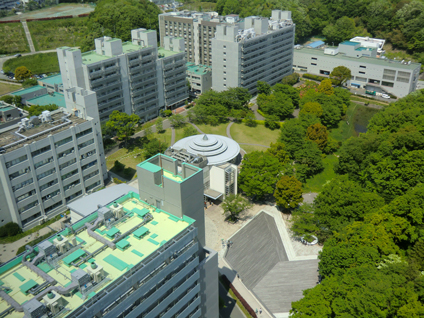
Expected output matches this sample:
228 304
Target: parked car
385 96
17 55
1 71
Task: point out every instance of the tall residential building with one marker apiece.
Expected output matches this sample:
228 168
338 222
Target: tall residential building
132 77
46 162
137 255
375 74
256 49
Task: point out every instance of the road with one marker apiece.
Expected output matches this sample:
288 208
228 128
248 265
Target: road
28 36
231 309
4 59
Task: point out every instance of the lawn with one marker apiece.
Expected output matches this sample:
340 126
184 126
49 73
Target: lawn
216 130
254 135
60 10
13 39
52 34
37 63
344 131
316 183
7 88
366 100
249 149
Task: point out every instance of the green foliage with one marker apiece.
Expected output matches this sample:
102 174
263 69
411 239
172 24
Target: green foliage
344 29
291 92
153 147
250 121
288 192
117 19
177 120
10 229
313 108
318 134
263 88
29 82
341 74
13 40
190 131
34 242
122 124
234 205
166 113
292 136
36 110
12 99
291 79
118 167
159 124
117 181
326 87
320 78
278 151
39 63
259 174
308 161
22 73
271 122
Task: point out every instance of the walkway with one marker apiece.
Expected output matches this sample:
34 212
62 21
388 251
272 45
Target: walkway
255 109
198 129
172 136
231 309
28 36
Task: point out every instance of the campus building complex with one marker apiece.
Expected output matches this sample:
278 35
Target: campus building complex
368 71
132 77
140 255
240 52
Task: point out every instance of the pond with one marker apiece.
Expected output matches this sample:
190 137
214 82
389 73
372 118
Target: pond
361 118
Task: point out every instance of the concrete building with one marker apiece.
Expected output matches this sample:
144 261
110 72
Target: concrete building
196 28
375 74
370 43
132 77
46 162
8 4
217 156
140 255
256 49
199 77
9 115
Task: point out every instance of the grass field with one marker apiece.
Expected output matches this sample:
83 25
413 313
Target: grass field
254 135
13 39
7 88
37 63
316 183
52 34
54 11
249 148
216 130
344 130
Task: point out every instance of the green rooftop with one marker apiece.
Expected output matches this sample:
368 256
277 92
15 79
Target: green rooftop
4 109
129 251
350 43
52 80
149 166
129 47
166 53
198 69
92 57
28 90
54 98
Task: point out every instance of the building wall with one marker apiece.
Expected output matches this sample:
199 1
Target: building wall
200 83
209 285
363 71
173 74
51 173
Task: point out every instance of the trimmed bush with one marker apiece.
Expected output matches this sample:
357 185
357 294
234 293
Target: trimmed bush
320 78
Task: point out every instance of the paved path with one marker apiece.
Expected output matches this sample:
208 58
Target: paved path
198 129
229 130
28 36
255 109
172 136
231 309
369 105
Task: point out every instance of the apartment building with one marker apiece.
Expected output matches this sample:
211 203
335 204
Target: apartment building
140 255
8 4
45 163
199 77
196 28
368 71
256 49
129 77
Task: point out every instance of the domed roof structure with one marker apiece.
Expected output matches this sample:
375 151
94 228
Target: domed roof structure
218 149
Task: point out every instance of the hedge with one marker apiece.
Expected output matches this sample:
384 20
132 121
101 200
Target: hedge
240 297
321 78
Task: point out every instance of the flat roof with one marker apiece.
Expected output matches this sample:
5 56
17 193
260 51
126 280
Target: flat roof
8 137
6 108
128 47
316 44
115 262
52 80
166 53
92 57
361 59
198 69
350 43
28 90
53 98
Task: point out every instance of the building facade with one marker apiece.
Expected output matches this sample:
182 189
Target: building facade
45 163
8 4
199 77
128 77
132 257
375 74
257 49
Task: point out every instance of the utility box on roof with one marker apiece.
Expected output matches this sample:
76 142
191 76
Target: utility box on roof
54 302
47 247
34 309
81 277
105 213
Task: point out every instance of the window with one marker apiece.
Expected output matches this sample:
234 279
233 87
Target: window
225 85
47 185
225 66
224 46
67 152
88 165
225 73
70 174
362 66
45 174
40 151
225 53
16 161
314 58
361 72
25 195
19 173
22 184
28 206
314 64
387 84
68 163
225 60
225 78
62 142
85 144
43 162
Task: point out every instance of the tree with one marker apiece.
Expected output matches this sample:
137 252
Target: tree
278 151
308 161
190 131
291 92
344 29
36 110
291 79
153 147
29 82
263 88
326 87
22 73
177 120
312 108
318 134
292 136
122 124
159 124
259 174
250 121
148 131
233 205
288 192
341 74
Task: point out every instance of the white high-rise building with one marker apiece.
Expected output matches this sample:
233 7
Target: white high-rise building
132 77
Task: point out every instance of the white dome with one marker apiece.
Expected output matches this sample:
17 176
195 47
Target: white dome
218 149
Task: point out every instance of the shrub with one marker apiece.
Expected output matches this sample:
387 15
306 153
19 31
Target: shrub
271 122
117 181
10 229
250 121
291 79
320 78
166 113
